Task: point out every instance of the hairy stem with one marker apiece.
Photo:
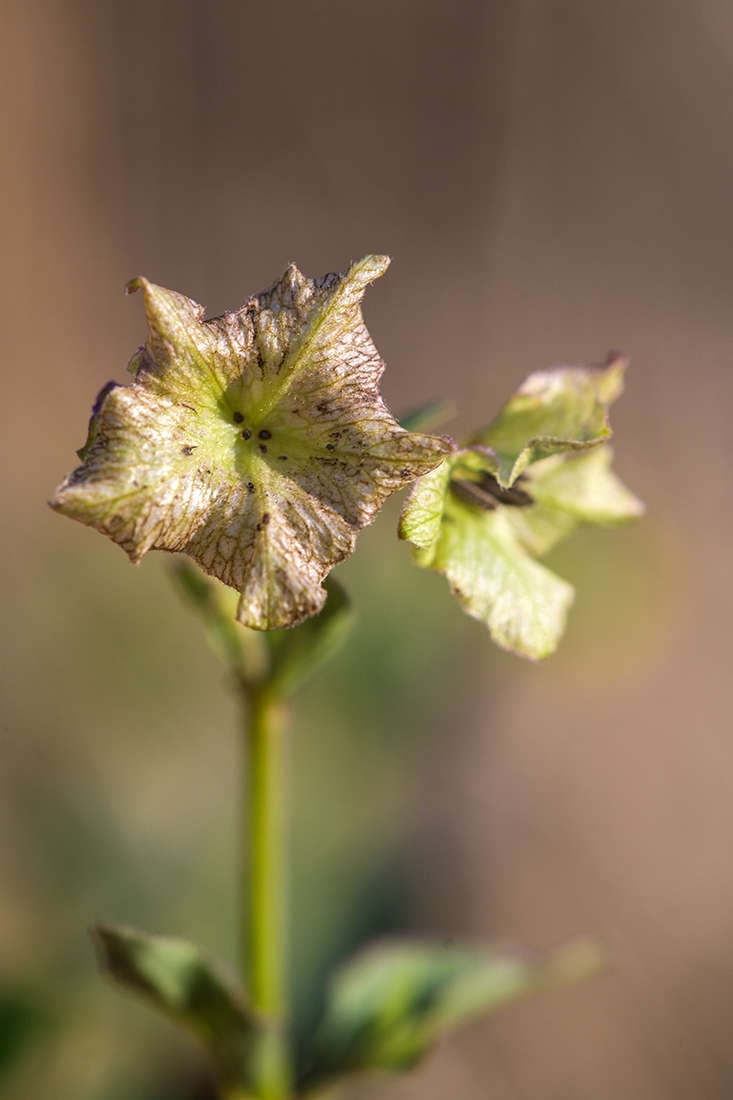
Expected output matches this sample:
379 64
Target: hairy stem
265 931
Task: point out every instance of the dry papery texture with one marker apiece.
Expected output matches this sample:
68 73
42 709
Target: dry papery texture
256 442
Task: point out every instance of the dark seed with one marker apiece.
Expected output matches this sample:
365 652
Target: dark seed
487 493
514 496
264 434
246 434
330 446
263 448
188 449
238 418
250 486
283 458
471 493
265 519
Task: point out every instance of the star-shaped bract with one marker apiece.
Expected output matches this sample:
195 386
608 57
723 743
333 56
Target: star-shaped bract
256 442
520 486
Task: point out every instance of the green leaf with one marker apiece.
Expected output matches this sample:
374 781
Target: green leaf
188 986
297 654
389 1004
256 442
554 411
19 1021
426 418
245 651
280 659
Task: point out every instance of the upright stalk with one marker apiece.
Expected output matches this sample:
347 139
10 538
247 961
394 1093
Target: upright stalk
265 925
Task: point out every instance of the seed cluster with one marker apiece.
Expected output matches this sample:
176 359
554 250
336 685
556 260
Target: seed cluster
263 434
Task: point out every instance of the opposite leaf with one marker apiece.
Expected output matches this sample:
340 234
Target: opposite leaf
390 1003
298 654
227 638
279 661
184 983
20 1022
426 418
256 442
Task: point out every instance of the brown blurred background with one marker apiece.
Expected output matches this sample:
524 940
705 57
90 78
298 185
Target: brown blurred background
553 178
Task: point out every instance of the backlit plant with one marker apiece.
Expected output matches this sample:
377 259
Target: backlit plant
258 445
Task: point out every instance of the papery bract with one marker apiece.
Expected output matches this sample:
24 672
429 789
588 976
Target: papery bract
256 442
542 468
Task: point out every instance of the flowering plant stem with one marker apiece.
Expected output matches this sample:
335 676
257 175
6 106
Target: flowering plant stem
257 443
265 862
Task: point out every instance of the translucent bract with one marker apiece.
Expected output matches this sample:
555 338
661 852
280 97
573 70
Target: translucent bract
256 442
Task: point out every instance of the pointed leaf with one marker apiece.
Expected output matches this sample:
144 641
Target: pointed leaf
389 1004
257 442
20 1020
185 984
222 628
427 418
299 653
554 411
282 659
245 651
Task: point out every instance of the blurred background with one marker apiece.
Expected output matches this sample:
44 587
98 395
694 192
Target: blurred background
553 178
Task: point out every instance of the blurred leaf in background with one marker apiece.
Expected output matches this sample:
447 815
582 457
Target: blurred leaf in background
121 767
390 1004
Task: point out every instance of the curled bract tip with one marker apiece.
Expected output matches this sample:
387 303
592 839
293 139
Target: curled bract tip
375 265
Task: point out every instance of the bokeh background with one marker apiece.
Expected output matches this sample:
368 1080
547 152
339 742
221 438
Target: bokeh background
553 178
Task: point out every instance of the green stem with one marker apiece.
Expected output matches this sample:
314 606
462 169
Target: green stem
265 934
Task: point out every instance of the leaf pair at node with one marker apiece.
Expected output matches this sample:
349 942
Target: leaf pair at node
385 1008
278 662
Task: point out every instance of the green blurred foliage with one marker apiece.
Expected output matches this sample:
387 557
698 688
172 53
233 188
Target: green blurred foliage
121 776
389 1004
